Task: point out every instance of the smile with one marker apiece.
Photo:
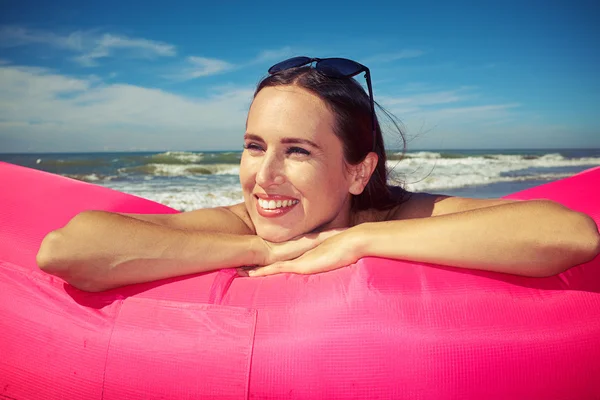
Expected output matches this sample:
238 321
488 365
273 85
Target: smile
274 206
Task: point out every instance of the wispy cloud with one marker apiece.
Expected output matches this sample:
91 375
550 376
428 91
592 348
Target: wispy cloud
394 56
90 45
59 113
107 44
441 118
14 36
203 66
274 55
474 111
198 67
429 98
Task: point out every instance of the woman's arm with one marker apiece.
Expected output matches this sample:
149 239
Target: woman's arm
532 238
232 219
99 250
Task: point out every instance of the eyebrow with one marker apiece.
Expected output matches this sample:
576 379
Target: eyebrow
285 140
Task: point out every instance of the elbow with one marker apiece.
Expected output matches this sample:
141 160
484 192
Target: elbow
48 256
587 244
56 256
592 248
583 245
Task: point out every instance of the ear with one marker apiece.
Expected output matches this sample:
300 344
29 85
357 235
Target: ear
361 173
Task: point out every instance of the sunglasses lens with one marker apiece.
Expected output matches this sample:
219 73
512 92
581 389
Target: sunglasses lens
339 67
289 63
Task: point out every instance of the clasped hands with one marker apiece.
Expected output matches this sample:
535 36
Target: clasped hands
307 254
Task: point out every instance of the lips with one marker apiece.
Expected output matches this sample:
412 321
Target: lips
270 206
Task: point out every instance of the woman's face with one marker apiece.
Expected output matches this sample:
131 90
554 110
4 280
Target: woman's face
293 173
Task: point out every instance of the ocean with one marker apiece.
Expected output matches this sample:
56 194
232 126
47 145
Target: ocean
198 179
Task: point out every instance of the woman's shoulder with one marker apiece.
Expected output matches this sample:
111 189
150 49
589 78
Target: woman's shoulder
405 205
231 219
399 197
241 212
423 205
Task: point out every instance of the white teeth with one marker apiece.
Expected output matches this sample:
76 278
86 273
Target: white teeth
272 204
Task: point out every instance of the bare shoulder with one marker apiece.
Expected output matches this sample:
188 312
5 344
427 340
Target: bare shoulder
241 212
423 205
232 219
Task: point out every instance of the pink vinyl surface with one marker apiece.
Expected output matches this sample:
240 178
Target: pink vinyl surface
376 329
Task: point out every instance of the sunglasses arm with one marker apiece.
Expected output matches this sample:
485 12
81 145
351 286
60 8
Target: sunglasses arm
370 88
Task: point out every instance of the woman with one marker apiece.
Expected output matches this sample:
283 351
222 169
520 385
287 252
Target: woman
315 198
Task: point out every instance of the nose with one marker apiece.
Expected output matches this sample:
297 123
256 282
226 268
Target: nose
270 171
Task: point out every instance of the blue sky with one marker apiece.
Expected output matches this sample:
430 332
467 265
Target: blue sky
132 75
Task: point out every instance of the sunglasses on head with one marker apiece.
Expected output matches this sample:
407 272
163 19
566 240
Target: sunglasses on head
332 68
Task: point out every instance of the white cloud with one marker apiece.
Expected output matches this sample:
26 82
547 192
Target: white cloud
428 98
454 118
477 111
389 57
90 45
41 110
197 67
44 111
107 44
12 36
202 66
274 55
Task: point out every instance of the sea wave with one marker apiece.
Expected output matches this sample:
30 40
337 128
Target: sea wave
91 178
181 170
201 194
186 157
175 157
431 171
49 163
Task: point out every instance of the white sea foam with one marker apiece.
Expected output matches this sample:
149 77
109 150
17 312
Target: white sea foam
188 187
201 193
195 169
183 156
183 169
429 171
93 178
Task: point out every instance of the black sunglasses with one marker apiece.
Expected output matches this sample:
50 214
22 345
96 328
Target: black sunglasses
332 68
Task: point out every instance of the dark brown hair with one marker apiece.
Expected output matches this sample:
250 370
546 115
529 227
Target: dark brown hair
350 104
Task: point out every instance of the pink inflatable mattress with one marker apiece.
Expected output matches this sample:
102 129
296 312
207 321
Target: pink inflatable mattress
377 329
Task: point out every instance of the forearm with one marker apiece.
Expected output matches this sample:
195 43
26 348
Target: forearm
97 251
534 238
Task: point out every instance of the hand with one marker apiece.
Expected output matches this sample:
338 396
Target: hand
271 252
335 252
297 246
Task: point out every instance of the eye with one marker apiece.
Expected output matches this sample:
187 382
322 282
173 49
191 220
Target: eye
298 150
252 147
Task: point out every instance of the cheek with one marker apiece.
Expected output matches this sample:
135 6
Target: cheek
246 173
323 186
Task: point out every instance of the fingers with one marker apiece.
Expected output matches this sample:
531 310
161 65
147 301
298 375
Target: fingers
272 269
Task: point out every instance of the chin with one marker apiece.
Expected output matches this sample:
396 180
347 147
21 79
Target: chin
275 234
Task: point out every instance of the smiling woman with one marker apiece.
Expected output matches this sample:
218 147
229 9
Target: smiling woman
296 157
316 198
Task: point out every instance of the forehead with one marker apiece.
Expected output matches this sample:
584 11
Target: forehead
289 110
